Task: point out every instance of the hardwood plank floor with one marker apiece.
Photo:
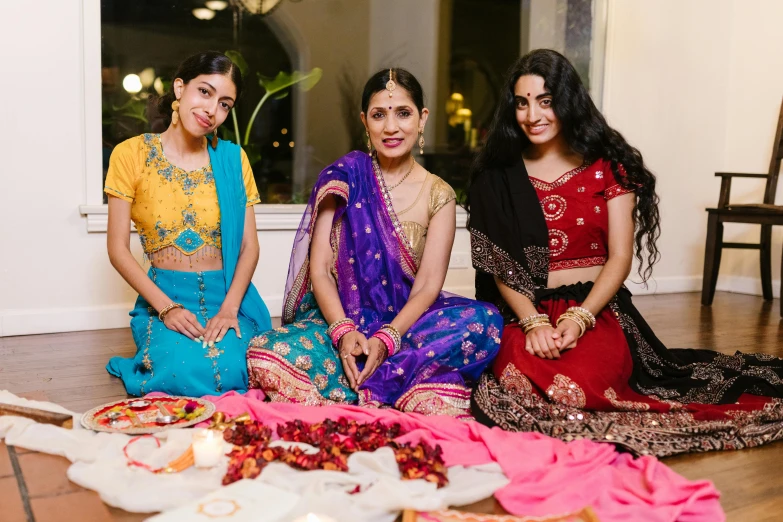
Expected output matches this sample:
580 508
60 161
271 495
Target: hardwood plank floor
69 369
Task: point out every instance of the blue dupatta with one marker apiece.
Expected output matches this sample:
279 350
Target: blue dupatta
226 162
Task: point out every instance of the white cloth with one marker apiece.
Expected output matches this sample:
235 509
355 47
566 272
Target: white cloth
99 464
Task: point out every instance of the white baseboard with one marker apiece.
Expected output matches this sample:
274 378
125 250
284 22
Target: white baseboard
55 320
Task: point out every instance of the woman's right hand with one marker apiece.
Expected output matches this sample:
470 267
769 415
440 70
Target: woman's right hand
184 322
543 342
352 345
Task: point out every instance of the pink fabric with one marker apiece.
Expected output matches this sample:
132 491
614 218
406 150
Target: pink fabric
547 475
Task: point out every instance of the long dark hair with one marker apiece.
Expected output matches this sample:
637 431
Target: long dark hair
207 62
585 130
402 77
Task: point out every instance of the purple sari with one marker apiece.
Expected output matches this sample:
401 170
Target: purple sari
442 354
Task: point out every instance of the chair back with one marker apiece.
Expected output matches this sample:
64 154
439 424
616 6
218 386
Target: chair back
774 163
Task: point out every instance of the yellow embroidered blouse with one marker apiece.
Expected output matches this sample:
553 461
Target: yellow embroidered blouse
440 194
170 206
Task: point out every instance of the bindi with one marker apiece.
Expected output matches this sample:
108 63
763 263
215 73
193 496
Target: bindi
528 94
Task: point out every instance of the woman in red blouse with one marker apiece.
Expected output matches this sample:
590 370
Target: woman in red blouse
560 204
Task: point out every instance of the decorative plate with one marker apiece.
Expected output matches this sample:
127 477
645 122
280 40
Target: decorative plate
138 416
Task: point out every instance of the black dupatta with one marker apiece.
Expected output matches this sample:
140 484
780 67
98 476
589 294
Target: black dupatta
508 235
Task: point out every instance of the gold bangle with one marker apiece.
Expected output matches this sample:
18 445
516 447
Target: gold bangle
167 309
575 318
535 324
339 322
585 314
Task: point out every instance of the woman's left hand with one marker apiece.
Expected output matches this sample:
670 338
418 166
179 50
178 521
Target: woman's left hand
218 326
376 356
569 334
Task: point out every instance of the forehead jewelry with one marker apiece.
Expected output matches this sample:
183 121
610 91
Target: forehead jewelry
391 85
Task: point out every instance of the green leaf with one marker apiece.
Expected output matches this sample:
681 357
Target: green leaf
227 134
280 96
284 80
253 152
239 61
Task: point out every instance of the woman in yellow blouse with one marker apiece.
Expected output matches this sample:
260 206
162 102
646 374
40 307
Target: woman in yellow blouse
190 196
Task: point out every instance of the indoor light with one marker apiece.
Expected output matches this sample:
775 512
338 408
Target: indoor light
158 86
283 131
275 144
147 77
216 5
132 83
291 144
202 13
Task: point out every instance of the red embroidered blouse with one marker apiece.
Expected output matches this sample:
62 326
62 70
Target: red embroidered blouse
575 210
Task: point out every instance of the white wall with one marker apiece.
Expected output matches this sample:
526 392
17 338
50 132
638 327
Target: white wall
696 85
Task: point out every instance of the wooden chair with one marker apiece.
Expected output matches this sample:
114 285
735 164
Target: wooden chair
766 214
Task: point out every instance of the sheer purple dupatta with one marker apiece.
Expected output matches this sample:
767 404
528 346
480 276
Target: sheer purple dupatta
373 262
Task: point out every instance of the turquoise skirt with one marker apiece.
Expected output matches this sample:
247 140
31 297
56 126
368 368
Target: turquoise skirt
169 362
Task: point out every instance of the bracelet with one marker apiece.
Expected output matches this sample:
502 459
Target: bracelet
573 316
534 321
387 341
167 309
339 328
585 314
394 336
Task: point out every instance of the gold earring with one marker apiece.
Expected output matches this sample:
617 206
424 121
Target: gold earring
421 141
369 143
215 139
175 113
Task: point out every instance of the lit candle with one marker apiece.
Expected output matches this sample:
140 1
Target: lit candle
207 448
312 517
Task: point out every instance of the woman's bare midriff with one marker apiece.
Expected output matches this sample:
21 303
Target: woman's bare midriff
572 276
204 260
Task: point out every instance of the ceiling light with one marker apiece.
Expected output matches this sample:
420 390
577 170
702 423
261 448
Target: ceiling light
216 5
132 83
202 13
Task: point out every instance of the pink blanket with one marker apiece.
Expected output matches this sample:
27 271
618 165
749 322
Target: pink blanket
547 475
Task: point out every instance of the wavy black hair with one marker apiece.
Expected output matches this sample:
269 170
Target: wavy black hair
585 130
207 62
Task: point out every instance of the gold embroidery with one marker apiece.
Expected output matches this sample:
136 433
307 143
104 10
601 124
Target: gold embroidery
436 399
566 392
624 405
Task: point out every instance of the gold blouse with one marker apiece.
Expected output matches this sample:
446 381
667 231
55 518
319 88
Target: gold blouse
441 193
169 206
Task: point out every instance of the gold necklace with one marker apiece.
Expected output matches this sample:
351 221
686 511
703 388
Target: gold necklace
413 162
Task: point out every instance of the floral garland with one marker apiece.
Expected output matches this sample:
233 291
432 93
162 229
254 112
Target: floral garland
335 441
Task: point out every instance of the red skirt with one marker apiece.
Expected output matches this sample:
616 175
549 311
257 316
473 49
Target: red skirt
620 384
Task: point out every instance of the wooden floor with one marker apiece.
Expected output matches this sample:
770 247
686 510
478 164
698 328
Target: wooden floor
69 369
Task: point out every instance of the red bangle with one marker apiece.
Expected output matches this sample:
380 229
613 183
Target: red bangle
387 340
132 462
340 331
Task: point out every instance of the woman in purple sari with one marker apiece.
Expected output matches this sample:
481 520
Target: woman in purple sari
365 320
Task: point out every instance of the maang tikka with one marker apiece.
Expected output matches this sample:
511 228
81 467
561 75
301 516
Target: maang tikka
391 84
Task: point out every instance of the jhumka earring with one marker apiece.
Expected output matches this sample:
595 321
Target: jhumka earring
215 140
175 113
369 143
391 84
421 141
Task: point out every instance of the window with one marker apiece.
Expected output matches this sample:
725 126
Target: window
143 42
461 47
